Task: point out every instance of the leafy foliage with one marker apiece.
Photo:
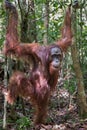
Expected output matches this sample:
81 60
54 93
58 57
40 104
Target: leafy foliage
56 16
23 123
2 24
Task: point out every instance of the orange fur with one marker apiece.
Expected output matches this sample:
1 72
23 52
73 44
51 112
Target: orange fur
43 76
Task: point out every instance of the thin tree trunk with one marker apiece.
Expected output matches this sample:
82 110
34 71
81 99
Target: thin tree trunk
46 22
5 102
79 77
28 22
32 32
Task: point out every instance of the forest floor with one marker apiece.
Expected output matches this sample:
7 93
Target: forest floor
62 114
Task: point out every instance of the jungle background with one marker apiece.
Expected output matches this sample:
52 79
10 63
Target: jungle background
41 21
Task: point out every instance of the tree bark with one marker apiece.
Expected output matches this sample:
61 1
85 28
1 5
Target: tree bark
79 77
5 102
46 22
28 21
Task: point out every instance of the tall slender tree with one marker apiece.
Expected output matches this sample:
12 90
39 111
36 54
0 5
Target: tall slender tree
28 22
46 22
79 77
